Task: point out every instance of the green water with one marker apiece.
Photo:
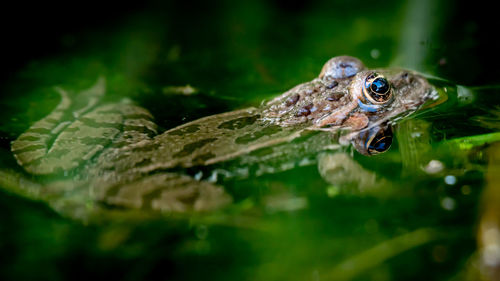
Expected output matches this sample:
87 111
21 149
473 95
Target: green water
422 227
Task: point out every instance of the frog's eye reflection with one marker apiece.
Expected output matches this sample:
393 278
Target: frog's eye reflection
374 141
377 89
379 142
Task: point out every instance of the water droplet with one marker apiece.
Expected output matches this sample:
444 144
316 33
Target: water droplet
465 190
332 191
491 255
450 180
416 134
434 167
448 203
375 53
491 250
198 175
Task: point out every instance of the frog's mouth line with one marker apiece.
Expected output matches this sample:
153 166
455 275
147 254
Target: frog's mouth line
369 107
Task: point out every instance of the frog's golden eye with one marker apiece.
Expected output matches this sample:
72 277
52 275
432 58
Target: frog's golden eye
377 89
379 141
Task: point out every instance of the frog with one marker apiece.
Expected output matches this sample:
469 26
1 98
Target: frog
112 154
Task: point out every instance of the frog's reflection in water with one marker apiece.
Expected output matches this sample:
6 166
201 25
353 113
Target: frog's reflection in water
340 170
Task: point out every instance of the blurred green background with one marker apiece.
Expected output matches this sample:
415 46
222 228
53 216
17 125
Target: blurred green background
238 54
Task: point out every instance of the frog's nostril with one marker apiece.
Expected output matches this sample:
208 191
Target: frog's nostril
332 85
406 78
292 100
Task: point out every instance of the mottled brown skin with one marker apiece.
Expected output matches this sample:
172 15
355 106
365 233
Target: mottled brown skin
115 156
328 101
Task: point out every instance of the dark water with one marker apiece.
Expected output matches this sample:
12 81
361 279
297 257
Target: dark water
287 226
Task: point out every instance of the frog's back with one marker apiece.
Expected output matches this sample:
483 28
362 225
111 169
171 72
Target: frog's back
206 141
78 130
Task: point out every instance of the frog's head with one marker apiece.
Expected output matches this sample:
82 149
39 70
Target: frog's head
376 95
383 94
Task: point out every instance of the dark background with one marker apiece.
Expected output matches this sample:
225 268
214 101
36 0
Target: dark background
36 30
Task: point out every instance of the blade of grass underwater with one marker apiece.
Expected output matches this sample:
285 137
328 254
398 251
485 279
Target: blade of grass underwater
417 152
466 143
413 149
488 234
375 256
414 135
417 33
